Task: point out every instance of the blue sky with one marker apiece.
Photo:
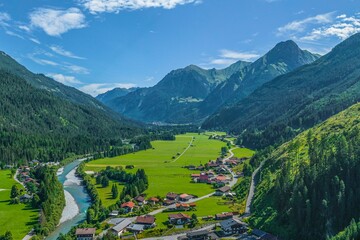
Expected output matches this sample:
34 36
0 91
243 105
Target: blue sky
96 45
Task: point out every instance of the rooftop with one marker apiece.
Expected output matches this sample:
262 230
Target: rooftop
85 231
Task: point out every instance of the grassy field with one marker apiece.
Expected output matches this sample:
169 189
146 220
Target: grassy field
164 173
105 193
243 152
18 218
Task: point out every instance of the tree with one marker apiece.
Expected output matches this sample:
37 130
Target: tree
105 182
7 236
114 191
14 192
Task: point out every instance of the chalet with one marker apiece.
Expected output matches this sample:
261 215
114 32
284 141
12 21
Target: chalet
120 228
128 206
85 233
212 164
207 218
148 221
204 178
153 200
195 175
168 202
179 219
221 178
140 200
233 226
223 216
182 206
221 170
223 190
172 196
210 173
185 197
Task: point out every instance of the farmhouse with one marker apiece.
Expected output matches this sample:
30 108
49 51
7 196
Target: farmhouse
223 216
85 233
140 200
204 178
172 196
120 228
153 200
169 202
148 221
179 219
223 190
128 206
185 197
233 226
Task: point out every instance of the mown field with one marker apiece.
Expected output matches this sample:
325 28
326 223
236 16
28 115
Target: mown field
18 218
243 152
165 174
105 192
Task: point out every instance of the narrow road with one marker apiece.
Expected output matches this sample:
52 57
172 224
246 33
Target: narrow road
17 180
191 142
252 190
234 180
175 237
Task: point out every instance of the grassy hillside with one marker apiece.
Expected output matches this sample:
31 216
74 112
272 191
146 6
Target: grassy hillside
312 181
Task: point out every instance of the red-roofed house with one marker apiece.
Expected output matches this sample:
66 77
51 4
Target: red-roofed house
148 221
185 197
153 200
128 206
172 196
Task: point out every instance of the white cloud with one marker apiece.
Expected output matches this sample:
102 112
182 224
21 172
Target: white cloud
301 25
4 19
42 61
76 69
99 6
67 80
61 51
95 89
25 28
35 40
245 56
11 33
342 28
55 22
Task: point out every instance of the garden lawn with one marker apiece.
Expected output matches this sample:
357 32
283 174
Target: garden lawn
208 206
18 218
164 173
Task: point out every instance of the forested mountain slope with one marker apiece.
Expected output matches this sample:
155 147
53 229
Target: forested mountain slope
297 100
308 188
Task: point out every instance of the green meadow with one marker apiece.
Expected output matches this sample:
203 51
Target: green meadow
19 218
243 152
165 173
105 192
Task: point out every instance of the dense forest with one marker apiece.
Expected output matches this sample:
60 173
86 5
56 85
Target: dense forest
35 124
51 199
309 187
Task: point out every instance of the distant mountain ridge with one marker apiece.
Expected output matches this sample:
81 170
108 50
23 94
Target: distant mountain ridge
191 94
296 100
114 93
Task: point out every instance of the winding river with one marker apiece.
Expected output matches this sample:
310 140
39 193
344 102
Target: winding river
77 200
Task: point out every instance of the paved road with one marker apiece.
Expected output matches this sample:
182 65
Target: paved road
175 237
234 180
252 190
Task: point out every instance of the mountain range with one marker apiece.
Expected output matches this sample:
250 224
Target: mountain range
191 94
297 100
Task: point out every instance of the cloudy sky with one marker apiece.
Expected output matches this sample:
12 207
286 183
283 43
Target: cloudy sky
96 45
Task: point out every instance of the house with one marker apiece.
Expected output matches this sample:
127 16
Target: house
233 226
148 221
182 206
221 191
203 178
140 200
198 235
221 178
263 235
179 219
172 196
207 218
120 228
195 176
223 216
85 233
114 213
128 206
169 202
153 200
185 197
136 228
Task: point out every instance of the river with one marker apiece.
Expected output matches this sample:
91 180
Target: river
77 200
